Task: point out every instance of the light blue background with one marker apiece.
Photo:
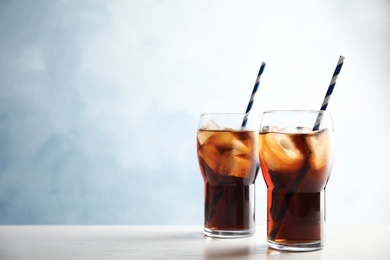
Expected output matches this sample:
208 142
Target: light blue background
99 101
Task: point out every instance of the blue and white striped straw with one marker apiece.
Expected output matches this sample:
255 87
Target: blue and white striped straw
329 91
252 99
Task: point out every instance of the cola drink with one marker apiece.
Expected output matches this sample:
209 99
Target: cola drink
229 163
296 165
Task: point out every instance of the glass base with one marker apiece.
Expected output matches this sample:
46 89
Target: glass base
228 233
297 247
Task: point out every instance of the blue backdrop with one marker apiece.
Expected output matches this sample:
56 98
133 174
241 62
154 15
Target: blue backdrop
99 101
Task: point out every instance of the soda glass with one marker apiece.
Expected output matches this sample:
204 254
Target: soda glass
227 146
296 155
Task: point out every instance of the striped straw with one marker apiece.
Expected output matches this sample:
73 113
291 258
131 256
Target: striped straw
280 216
329 91
219 190
252 99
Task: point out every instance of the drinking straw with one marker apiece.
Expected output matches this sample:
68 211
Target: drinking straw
329 91
254 91
279 218
219 190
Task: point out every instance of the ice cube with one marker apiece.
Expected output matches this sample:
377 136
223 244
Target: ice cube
239 165
237 162
295 130
238 148
211 155
211 125
280 152
320 147
203 136
222 140
287 130
212 145
226 155
301 129
270 128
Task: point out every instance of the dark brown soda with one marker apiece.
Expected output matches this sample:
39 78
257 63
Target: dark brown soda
227 201
302 221
295 213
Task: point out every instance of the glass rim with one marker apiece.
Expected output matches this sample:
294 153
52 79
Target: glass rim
227 113
310 111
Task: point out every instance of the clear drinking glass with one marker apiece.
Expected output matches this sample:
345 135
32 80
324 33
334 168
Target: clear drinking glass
296 156
227 146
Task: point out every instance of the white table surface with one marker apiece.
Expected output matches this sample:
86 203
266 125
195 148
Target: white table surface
178 242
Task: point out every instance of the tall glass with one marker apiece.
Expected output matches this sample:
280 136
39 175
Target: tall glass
296 156
227 146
